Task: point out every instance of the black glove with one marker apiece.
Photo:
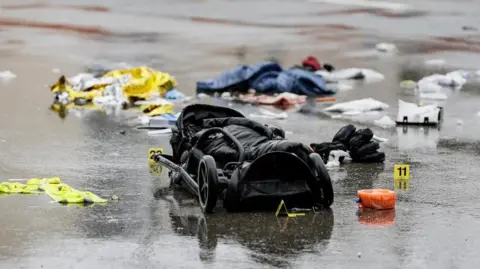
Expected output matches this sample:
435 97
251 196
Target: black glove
323 149
360 138
344 134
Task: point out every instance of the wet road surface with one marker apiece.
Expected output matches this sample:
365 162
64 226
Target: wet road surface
435 222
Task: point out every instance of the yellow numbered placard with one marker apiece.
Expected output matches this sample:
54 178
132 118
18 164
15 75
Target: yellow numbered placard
290 215
153 167
401 171
151 153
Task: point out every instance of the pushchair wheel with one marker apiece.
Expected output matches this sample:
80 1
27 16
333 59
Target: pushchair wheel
207 183
324 179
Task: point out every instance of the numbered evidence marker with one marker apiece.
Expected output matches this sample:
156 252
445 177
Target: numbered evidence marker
153 167
401 176
290 215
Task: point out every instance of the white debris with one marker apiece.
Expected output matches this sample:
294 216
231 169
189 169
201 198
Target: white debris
361 105
435 62
144 119
56 70
385 122
453 79
359 254
269 115
367 75
478 114
7 75
379 139
459 122
226 96
386 47
160 132
433 96
79 78
202 96
157 101
413 113
336 157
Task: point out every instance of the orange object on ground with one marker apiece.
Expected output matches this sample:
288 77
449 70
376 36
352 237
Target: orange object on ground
376 199
373 217
325 99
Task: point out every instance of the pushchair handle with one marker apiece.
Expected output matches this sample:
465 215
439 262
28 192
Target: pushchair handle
215 130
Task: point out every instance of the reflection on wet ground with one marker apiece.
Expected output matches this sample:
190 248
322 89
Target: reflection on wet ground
151 226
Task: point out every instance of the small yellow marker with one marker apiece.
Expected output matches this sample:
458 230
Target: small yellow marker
401 176
153 167
152 152
290 215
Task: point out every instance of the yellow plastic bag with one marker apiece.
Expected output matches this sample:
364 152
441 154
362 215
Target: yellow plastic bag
64 86
157 110
145 82
53 187
63 193
16 187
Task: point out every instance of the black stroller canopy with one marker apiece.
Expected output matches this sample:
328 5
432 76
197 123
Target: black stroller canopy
196 113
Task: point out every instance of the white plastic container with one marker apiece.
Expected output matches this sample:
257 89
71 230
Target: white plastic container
411 113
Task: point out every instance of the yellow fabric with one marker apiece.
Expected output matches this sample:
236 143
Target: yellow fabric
63 85
144 82
157 110
53 187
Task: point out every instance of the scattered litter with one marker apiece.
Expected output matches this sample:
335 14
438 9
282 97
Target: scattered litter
361 105
174 94
336 157
367 75
202 96
435 62
269 115
379 139
53 187
120 88
385 122
7 75
282 99
160 132
411 113
433 96
56 70
386 47
359 254
452 79
226 96
459 122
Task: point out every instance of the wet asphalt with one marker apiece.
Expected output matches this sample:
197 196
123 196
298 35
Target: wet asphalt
150 226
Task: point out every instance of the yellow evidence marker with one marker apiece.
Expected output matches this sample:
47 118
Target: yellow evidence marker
153 167
401 176
290 215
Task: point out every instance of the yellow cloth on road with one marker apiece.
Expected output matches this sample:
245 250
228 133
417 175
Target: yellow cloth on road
145 82
53 187
157 110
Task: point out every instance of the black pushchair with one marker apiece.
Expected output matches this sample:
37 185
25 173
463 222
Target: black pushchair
217 152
